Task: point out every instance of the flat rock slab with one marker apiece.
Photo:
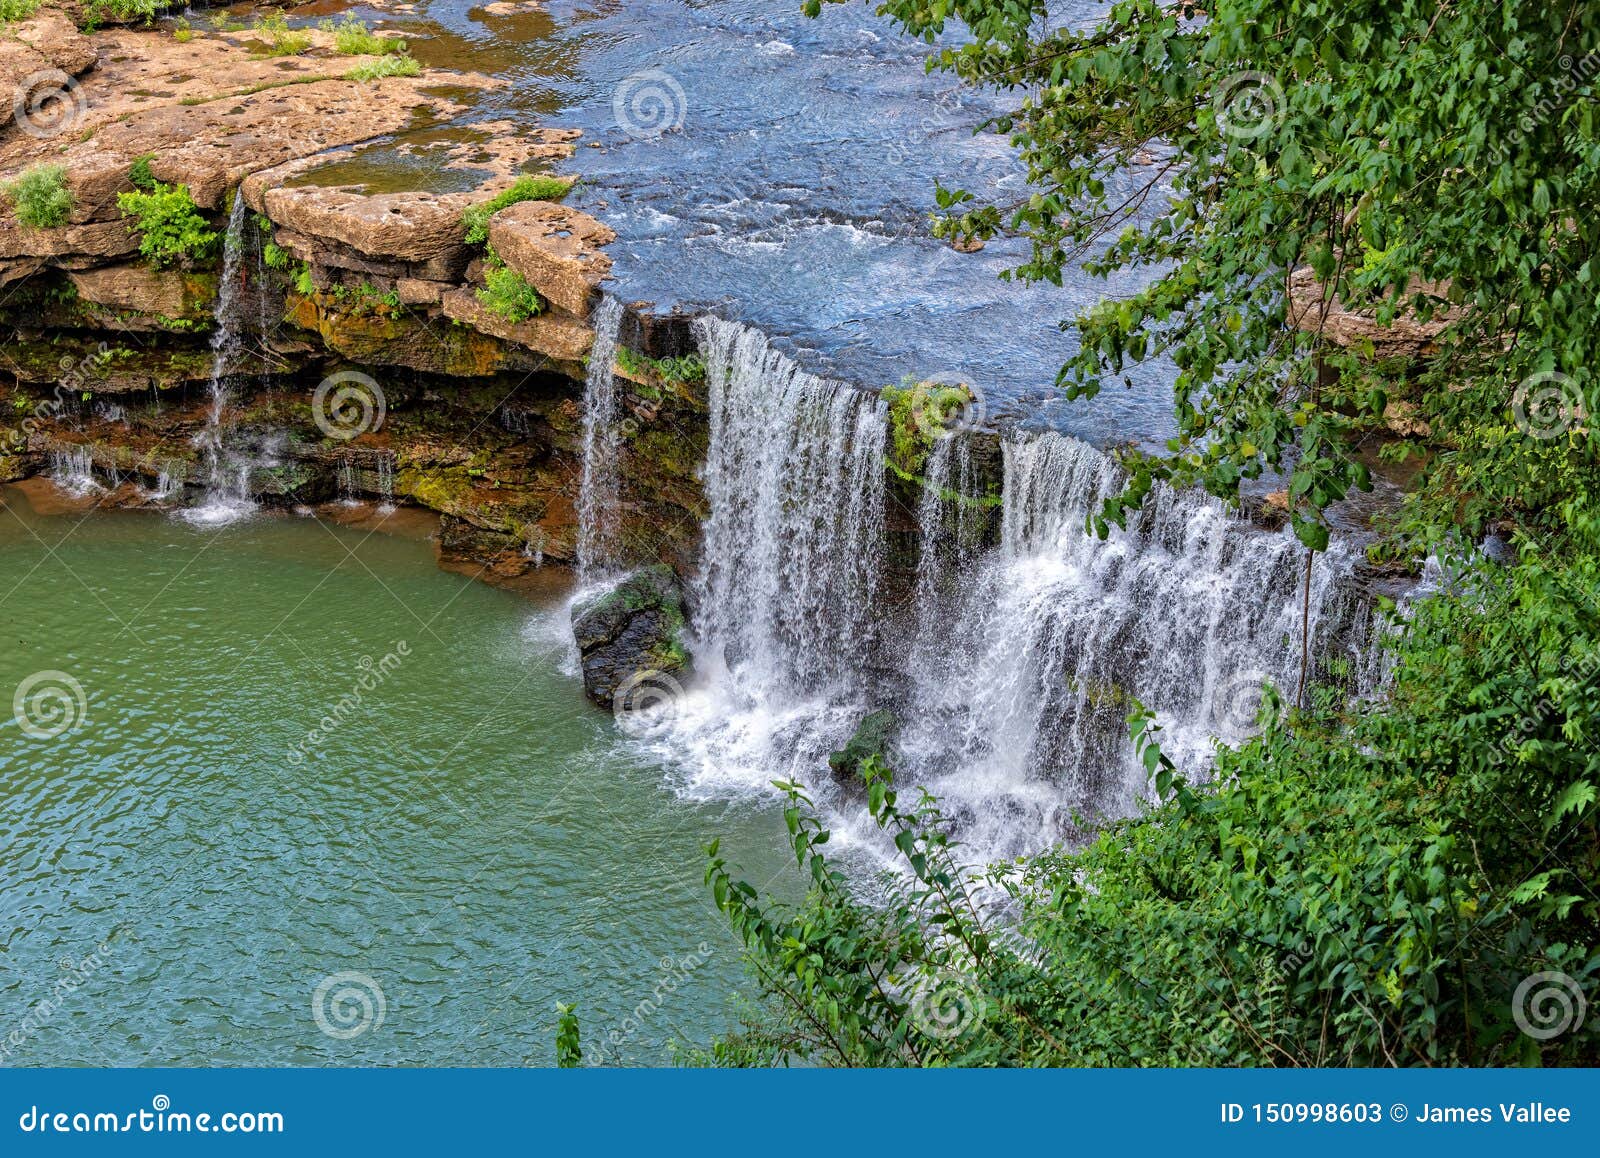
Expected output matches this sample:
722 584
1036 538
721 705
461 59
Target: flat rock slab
556 248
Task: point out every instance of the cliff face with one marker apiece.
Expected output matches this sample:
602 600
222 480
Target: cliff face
477 353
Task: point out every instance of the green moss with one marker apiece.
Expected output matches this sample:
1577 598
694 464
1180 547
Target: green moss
673 371
476 217
40 197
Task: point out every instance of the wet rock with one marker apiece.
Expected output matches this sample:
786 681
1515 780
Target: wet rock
657 334
873 736
563 340
556 248
631 635
161 296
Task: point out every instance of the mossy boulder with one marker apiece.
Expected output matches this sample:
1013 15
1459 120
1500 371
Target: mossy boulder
633 630
872 738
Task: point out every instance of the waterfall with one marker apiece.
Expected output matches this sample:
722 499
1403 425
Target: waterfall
385 481
227 498
784 603
944 522
1018 721
72 469
600 494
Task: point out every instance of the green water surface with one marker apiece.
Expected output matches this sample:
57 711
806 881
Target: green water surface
465 843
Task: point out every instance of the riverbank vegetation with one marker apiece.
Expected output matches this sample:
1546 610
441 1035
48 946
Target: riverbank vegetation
1411 881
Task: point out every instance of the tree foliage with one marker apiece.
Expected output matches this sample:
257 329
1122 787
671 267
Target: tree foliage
1411 881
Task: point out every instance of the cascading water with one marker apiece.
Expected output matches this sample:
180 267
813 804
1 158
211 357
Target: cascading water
386 480
72 469
599 495
1018 720
794 479
227 487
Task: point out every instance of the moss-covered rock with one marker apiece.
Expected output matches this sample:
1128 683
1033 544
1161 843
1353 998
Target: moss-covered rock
632 632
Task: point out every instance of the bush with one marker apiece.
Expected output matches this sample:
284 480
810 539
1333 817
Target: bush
40 197
123 11
17 9
508 294
170 226
281 40
139 173
385 66
476 217
351 37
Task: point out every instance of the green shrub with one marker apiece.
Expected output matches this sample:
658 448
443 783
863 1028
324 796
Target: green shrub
123 11
351 37
170 226
225 21
476 217
274 256
508 294
17 9
281 40
385 66
139 173
40 197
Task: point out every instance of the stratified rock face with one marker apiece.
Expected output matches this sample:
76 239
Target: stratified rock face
631 634
556 249
1406 337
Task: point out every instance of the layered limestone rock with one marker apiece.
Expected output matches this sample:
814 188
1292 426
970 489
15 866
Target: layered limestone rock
556 248
1406 337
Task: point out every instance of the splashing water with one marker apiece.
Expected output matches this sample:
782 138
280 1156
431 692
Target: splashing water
1019 721
72 469
793 549
599 495
227 497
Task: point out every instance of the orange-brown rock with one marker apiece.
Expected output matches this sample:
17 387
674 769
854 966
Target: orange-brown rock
1358 330
565 341
556 249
